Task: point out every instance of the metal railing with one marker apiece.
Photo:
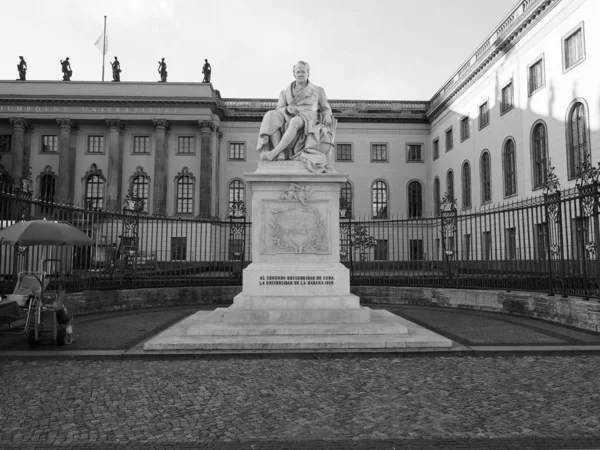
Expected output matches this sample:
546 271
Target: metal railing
545 244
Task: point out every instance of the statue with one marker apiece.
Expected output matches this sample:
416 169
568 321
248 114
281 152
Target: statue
206 70
66 69
22 68
162 69
116 70
296 130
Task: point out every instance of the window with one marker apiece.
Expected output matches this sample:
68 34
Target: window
379 200
94 192
186 145
511 243
379 152
486 178
507 98
510 175
95 144
237 151
178 248
381 250
346 200
539 155
541 240
573 48
415 199
581 236
141 144
436 196
343 152
484 115
47 191
466 185
449 139
465 128
535 73
486 245
49 144
139 188
436 149
577 139
466 250
416 249
413 152
185 195
450 185
237 208
5 143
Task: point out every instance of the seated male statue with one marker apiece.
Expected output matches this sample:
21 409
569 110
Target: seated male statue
295 129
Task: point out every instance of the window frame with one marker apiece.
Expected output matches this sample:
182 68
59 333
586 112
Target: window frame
466 186
505 174
504 108
485 103
407 147
435 144
132 183
387 152
90 136
572 171
351 146
534 160
577 28
175 250
243 150
133 139
101 191
232 198
343 189
189 200
449 143
192 147
42 145
484 182
8 137
464 136
542 62
437 197
414 210
385 203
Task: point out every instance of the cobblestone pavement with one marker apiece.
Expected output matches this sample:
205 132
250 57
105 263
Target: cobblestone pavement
441 402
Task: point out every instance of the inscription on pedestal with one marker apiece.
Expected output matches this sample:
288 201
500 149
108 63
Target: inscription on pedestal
290 226
296 280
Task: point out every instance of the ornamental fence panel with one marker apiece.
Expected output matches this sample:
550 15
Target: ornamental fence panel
543 244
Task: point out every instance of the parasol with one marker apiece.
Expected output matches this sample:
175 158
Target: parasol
43 232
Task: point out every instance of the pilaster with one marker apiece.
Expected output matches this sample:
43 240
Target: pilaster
161 163
207 130
64 142
217 171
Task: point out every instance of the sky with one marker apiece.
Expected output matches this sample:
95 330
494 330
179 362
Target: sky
357 49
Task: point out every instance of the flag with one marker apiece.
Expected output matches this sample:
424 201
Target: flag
101 44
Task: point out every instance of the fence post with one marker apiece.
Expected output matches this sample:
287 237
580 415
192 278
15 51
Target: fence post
449 219
552 207
588 203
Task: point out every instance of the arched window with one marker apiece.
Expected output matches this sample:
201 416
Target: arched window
466 185
450 185
486 178
577 142
436 196
184 186
47 188
346 200
415 199
237 207
139 189
94 192
508 162
539 156
379 194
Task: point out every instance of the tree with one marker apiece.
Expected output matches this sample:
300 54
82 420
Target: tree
361 240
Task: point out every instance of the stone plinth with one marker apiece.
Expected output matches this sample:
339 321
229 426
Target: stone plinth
296 293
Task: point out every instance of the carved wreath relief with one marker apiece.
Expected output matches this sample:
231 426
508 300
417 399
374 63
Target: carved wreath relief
294 224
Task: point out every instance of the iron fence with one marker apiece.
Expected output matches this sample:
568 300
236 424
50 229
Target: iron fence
544 244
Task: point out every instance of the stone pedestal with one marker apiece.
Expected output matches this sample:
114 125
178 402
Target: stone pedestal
296 293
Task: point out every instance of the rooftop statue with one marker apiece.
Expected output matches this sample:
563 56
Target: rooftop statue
66 69
22 68
116 70
162 69
302 127
207 71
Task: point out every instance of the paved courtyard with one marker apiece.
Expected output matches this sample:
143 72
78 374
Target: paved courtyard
427 402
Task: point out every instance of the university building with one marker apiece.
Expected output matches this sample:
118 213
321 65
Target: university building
526 99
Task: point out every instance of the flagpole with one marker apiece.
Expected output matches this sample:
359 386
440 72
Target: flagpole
103 48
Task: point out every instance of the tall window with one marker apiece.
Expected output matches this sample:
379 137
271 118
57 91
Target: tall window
486 178
449 139
416 249
541 240
381 250
466 250
47 188
484 115
578 138
343 152
510 175
346 200
436 149
49 144
237 151
511 243
415 199
465 128
236 199
178 248
413 152
539 147
450 184
486 245
94 192
379 152
141 144
5 143
573 48
185 195
436 196
186 145
139 189
95 144
507 98
466 185
379 201
536 76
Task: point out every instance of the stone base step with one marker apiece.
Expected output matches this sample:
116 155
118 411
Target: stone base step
295 316
244 301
